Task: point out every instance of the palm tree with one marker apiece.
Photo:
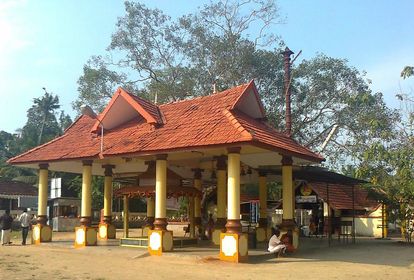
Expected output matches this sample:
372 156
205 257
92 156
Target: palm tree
45 106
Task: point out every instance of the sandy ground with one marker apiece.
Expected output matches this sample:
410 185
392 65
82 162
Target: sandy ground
368 259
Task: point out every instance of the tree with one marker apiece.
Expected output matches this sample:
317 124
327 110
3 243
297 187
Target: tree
389 165
41 126
171 59
219 44
408 71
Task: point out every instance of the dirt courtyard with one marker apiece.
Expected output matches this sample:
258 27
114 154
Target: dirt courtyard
368 259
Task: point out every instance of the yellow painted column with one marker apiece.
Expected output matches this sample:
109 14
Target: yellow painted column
150 212
233 224
197 199
85 235
263 198
42 199
288 225
108 193
160 222
221 192
191 216
220 224
233 243
262 231
160 239
385 217
287 188
106 230
86 208
41 231
126 216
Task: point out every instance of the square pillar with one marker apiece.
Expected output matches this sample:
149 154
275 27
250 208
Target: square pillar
85 236
234 247
159 241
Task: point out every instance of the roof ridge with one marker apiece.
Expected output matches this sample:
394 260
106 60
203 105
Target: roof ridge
206 96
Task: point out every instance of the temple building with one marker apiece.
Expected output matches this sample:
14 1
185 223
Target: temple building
192 139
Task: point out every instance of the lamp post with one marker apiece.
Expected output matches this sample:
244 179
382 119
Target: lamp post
86 110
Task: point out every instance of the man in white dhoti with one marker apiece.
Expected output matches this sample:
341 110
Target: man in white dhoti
275 245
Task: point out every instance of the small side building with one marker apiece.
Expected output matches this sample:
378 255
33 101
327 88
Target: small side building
16 195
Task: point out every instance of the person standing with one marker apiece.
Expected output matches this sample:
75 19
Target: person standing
25 223
6 224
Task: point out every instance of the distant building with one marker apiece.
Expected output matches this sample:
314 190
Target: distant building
16 195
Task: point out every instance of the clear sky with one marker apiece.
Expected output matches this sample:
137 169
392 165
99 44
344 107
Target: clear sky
46 43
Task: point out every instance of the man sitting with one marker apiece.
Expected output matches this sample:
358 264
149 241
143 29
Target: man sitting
275 245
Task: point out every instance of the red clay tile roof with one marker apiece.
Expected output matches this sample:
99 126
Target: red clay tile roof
149 107
340 196
196 123
14 188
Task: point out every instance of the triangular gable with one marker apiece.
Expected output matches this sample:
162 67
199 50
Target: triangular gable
124 107
249 102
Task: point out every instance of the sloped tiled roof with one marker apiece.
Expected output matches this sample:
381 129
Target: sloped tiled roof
195 123
14 188
340 196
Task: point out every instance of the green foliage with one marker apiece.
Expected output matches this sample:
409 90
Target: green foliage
408 71
97 190
389 165
42 126
177 59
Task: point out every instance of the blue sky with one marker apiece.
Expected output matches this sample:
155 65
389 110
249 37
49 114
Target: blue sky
46 43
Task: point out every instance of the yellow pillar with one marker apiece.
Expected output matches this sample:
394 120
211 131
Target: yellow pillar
221 192
42 199
150 211
262 232
108 193
160 239
86 235
161 193
385 217
233 192
197 199
126 216
233 243
106 229
287 189
41 231
191 216
288 225
86 208
220 223
263 198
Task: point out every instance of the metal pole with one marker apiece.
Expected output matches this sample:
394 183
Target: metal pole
329 215
353 214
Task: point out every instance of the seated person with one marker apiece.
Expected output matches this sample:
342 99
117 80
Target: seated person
275 245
